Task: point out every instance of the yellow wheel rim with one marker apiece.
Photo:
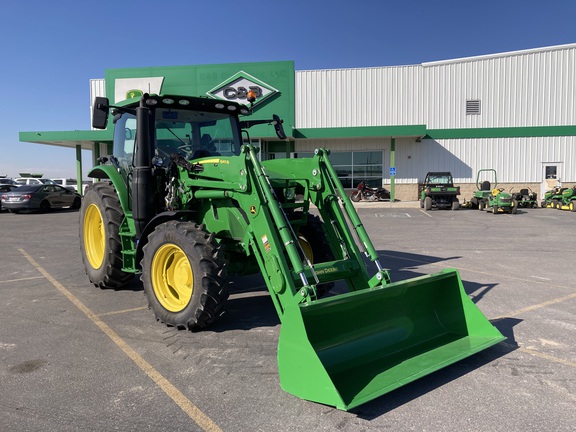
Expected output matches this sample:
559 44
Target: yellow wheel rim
306 247
172 277
94 236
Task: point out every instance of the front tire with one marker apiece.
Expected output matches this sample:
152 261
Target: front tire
100 218
184 276
356 196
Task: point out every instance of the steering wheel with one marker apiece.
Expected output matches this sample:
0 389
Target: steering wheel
187 148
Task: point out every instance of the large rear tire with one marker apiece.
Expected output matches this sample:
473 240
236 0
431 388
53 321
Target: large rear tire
184 275
100 219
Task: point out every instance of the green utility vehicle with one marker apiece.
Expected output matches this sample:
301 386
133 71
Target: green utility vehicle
438 191
183 202
491 198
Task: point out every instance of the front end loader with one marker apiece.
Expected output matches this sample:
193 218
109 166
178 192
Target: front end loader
185 204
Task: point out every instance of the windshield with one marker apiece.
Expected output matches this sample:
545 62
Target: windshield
439 178
191 134
195 134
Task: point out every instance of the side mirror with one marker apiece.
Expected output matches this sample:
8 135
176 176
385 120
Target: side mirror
100 113
277 122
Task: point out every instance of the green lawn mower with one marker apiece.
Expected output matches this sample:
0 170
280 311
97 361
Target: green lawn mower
491 198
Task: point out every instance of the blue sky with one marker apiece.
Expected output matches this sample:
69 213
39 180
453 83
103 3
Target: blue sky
50 50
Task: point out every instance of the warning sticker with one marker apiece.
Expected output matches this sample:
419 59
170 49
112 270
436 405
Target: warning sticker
266 243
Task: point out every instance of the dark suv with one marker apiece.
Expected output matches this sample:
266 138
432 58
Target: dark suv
439 191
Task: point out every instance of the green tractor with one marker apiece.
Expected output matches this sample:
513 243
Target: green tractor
185 204
491 198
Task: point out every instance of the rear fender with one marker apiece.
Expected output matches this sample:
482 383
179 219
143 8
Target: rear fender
109 172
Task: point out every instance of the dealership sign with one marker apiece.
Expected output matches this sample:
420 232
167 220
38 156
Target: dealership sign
237 87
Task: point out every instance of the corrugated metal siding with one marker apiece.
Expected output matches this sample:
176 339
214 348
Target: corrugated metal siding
97 89
521 89
358 97
516 160
525 88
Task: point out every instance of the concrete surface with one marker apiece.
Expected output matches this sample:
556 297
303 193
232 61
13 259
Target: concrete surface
77 358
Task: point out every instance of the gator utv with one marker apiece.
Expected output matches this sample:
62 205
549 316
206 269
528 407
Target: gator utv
438 191
185 204
491 198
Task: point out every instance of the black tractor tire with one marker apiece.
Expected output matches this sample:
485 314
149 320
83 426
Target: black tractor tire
184 275
494 209
481 205
455 205
356 196
427 203
315 245
514 208
100 218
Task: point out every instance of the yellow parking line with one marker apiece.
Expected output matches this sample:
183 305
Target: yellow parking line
538 306
176 395
426 213
539 354
547 357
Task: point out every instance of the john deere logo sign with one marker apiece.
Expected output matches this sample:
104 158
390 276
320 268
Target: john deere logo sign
237 87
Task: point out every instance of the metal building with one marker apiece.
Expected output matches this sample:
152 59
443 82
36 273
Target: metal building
514 112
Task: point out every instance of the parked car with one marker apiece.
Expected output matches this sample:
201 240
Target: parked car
70 183
7 181
4 187
41 197
32 181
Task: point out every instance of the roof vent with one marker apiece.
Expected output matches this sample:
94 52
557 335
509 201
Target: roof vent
472 107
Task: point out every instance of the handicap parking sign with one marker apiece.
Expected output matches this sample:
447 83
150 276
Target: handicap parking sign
392 171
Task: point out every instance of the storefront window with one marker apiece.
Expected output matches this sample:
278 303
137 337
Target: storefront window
353 167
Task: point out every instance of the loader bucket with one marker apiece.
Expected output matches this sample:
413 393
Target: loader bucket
349 349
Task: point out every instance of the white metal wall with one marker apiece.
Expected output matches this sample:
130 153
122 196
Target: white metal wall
97 89
523 88
358 97
516 160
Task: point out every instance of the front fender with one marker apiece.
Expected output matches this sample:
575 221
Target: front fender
111 173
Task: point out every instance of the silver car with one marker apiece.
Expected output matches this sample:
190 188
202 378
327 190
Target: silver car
40 197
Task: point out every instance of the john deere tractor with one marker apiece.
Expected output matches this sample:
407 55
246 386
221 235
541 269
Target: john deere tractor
184 203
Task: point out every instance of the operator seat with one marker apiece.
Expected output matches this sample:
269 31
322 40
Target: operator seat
207 148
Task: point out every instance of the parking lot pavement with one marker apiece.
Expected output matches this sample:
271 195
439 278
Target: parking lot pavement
74 357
